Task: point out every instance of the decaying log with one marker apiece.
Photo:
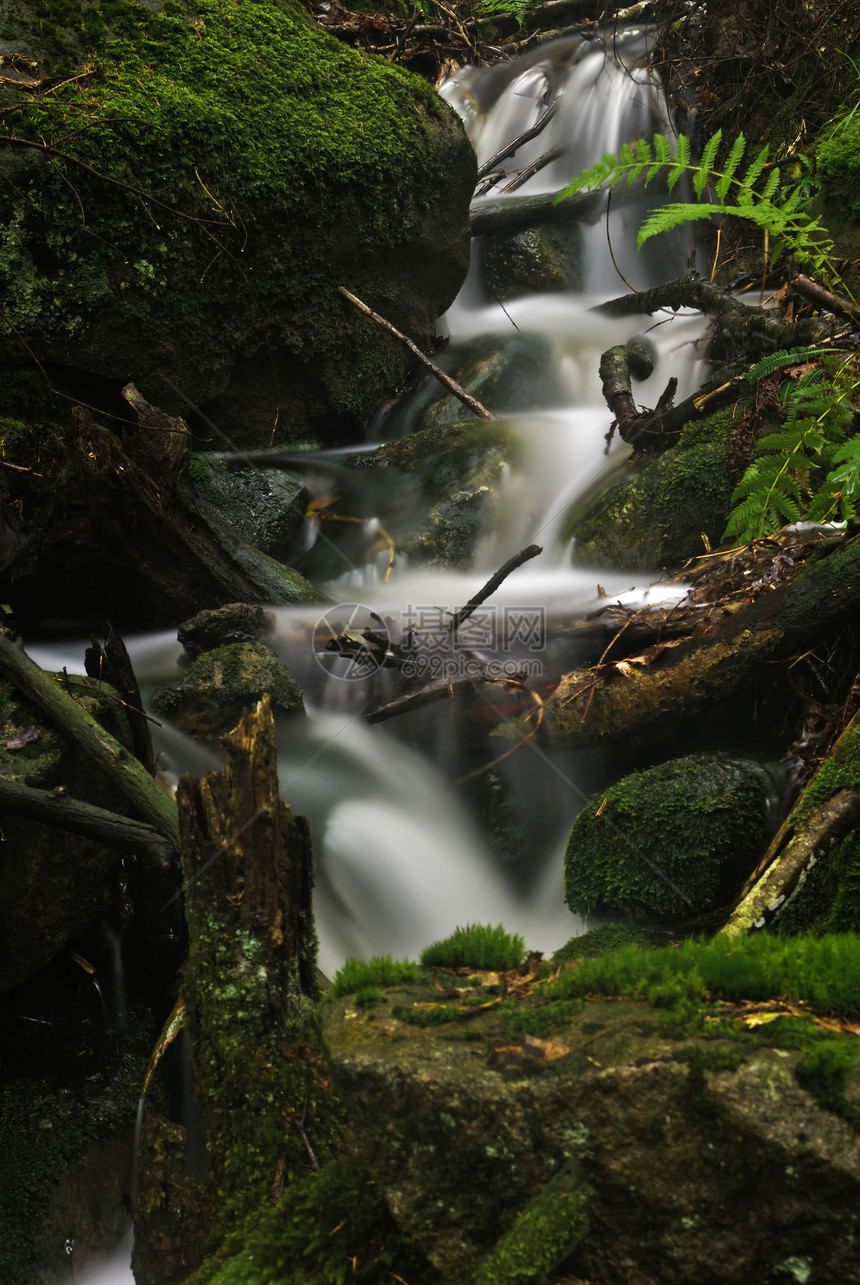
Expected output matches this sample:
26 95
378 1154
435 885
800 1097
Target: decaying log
788 857
251 974
613 702
61 709
110 662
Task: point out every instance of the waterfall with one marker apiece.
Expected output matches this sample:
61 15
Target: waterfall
401 856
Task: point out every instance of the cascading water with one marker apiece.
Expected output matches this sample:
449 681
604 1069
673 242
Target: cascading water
402 858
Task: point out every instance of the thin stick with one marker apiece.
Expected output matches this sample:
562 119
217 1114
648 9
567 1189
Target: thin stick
525 137
524 555
425 361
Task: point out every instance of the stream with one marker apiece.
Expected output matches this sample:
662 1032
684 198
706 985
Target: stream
411 839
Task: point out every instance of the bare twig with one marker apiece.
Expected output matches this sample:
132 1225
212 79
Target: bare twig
524 555
435 370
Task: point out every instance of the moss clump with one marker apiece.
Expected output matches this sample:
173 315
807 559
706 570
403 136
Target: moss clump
335 1227
823 972
278 163
839 165
668 841
476 946
382 970
657 516
546 1232
609 937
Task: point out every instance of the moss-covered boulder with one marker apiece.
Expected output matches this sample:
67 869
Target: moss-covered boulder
603 1141
265 506
54 884
658 515
190 183
211 695
537 260
670 841
431 494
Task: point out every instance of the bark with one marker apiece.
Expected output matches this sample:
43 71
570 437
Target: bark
119 764
111 663
84 818
788 856
251 974
613 702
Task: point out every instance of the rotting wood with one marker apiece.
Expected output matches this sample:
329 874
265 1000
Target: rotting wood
788 857
451 384
616 701
72 720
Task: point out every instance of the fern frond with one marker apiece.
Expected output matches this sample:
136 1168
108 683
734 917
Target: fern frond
672 215
778 360
755 167
702 176
682 161
733 161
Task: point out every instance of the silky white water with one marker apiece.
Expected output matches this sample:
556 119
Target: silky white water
402 857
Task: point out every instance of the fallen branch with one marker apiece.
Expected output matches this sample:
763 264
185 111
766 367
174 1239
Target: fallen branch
526 137
436 371
118 763
83 818
789 857
524 555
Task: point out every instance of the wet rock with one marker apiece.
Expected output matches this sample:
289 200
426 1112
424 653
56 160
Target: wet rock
264 506
505 378
538 260
235 622
210 697
671 841
659 1159
662 513
54 883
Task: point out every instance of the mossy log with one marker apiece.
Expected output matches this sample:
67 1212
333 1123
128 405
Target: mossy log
613 702
61 709
84 818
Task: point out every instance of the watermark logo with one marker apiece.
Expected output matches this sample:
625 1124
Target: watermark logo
430 642
352 643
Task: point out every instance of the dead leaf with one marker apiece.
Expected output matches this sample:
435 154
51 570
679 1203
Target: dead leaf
550 1049
24 736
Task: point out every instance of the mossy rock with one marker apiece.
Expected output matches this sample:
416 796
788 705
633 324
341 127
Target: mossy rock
658 515
536 261
669 842
54 883
506 378
279 164
264 506
213 692
432 491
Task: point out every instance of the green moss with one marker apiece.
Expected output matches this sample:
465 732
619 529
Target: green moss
658 515
609 937
839 165
268 145
546 1232
335 1228
476 946
823 1070
382 970
666 842
823 972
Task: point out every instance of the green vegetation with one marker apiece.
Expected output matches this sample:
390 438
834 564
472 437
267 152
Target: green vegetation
823 972
544 1234
476 946
334 1228
358 974
770 205
810 467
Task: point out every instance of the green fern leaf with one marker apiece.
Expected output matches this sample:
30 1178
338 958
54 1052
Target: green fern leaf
778 360
682 161
670 216
771 186
734 159
755 167
702 176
